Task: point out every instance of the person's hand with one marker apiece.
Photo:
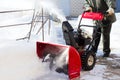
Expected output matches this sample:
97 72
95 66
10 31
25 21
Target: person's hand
88 9
110 11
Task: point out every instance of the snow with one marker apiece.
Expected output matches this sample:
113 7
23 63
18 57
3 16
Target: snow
15 5
18 59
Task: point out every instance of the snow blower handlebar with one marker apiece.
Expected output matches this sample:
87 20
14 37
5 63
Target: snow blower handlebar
97 16
93 15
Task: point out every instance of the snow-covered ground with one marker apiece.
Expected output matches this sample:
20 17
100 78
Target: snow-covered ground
18 59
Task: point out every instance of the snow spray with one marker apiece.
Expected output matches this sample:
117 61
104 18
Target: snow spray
51 8
63 58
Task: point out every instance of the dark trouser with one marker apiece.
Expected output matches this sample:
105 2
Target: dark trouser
105 31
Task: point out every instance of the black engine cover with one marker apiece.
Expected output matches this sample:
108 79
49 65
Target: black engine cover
74 38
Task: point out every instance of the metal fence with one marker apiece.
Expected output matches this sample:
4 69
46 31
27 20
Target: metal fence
37 17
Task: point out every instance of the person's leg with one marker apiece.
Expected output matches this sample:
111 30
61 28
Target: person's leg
96 39
106 39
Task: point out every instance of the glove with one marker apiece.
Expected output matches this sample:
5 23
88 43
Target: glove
110 11
88 9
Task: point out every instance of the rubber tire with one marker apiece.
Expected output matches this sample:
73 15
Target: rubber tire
84 59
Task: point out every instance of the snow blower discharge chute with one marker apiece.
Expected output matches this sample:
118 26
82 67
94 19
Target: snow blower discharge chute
73 56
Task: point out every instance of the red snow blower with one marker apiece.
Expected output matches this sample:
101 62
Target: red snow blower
73 56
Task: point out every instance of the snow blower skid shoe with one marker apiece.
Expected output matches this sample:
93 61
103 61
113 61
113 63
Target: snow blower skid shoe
78 41
61 58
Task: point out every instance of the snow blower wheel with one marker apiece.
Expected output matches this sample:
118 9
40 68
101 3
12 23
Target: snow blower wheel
88 60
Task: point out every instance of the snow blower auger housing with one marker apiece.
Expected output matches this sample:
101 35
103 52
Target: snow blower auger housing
65 59
73 56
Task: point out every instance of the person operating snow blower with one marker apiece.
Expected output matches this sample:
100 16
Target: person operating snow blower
105 7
